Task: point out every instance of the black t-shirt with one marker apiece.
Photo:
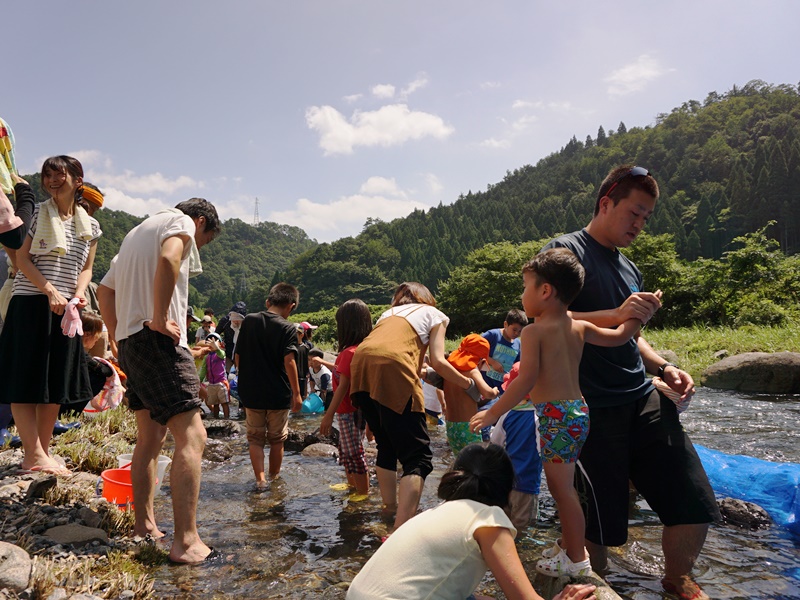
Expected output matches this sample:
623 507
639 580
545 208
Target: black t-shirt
608 376
264 340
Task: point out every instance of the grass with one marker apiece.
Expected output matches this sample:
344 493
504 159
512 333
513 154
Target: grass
105 577
696 346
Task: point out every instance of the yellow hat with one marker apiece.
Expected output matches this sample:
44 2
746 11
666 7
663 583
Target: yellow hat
92 196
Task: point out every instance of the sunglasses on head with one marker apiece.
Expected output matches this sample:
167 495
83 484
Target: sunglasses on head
633 172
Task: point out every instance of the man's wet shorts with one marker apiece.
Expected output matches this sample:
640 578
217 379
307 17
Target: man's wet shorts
161 376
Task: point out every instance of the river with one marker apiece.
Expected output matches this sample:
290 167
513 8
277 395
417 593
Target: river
302 539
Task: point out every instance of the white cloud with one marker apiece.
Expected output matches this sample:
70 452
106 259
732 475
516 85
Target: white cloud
524 122
378 197
118 200
420 82
495 143
352 98
489 85
635 76
434 183
383 90
526 104
390 125
381 185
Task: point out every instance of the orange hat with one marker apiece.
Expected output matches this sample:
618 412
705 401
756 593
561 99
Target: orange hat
466 357
92 196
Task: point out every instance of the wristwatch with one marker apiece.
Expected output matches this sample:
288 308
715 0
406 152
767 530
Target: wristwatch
664 366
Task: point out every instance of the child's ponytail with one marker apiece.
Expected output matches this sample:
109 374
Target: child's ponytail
482 473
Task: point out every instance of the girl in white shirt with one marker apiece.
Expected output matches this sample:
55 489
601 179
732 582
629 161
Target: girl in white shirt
443 553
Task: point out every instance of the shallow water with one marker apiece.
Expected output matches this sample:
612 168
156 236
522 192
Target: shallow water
301 539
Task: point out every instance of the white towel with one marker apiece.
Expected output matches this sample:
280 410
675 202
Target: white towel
51 235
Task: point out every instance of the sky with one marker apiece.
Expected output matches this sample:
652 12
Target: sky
331 112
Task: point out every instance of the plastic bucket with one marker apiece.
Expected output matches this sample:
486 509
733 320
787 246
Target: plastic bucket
117 487
161 468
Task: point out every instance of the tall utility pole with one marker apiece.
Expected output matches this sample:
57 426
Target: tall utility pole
255 214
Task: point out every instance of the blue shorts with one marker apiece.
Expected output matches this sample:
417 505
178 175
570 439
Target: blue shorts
520 428
563 427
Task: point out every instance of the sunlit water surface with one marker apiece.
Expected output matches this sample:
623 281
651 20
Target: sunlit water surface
301 539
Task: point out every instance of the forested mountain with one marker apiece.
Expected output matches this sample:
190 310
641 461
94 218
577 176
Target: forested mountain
238 265
725 166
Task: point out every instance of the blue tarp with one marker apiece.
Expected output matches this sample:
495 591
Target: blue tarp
775 487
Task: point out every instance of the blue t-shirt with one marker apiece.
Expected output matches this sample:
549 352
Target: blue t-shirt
504 352
608 376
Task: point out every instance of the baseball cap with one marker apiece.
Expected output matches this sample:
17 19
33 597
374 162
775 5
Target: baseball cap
190 315
207 319
307 325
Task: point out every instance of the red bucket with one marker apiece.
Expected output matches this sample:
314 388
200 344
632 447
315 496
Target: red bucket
117 486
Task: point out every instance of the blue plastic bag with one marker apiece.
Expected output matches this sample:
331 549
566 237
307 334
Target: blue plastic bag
313 404
774 486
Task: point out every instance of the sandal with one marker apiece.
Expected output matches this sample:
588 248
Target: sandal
552 551
560 564
684 587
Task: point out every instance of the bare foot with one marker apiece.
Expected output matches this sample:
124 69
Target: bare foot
193 555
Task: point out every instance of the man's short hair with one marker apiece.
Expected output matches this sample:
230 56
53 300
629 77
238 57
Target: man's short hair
283 294
516 317
316 352
560 268
200 207
625 182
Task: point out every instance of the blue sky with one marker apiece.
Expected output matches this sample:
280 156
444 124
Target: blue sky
330 112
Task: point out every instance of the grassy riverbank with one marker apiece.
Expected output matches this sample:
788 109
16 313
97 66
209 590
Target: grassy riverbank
696 346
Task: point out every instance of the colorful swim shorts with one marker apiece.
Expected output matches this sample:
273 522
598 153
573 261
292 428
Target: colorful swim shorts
563 427
459 436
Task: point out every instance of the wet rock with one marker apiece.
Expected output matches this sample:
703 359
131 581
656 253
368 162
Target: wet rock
320 450
222 428
39 486
89 517
549 587
217 451
762 372
15 567
297 440
74 534
744 514
58 594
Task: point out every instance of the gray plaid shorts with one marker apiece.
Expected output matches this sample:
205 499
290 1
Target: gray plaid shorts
161 376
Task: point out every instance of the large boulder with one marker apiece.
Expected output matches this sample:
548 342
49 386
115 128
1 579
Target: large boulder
15 567
743 514
761 372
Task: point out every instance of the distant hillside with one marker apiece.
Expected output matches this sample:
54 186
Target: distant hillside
725 166
239 265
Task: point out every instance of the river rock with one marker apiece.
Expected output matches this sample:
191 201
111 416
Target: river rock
74 534
39 486
58 594
549 587
744 514
761 372
222 428
15 567
297 440
217 451
320 451
89 517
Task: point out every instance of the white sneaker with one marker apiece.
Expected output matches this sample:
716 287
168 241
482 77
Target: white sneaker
560 565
